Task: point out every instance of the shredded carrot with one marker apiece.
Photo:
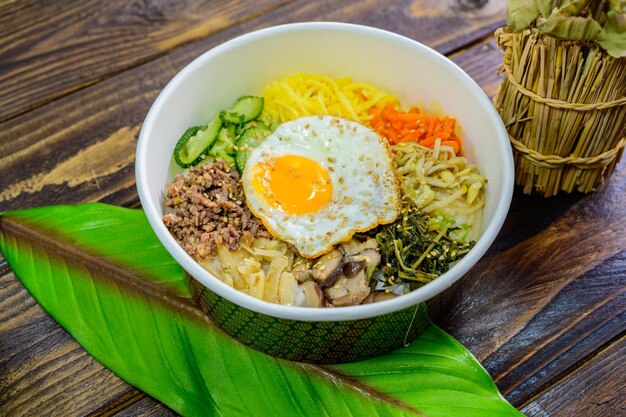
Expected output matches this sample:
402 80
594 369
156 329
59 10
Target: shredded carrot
398 126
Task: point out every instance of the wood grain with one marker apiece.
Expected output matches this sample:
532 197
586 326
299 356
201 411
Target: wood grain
600 380
126 401
481 62
517 235
49 49
590 312
145 407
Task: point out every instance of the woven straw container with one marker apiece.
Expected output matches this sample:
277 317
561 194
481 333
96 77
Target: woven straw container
564 106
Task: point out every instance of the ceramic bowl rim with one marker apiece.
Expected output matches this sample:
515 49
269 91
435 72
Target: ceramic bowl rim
413 298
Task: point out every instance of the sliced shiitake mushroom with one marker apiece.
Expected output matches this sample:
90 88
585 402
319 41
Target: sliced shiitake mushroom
301 270
349 291
369 259
313 294
328 268
352 268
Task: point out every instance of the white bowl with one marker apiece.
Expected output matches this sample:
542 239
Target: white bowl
416 74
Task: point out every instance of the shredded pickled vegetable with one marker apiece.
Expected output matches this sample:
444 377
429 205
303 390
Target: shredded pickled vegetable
260 270
439 182
302 95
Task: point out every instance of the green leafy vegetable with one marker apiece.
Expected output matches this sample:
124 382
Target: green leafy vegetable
419 248
456 232
102 274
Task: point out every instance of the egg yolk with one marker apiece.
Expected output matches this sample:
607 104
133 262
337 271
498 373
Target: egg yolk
293 183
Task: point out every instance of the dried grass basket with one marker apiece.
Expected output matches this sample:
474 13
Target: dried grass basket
564 106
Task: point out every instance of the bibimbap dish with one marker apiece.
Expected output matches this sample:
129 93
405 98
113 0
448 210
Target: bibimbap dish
319 182
324 192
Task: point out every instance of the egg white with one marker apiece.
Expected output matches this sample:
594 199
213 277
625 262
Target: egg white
365 188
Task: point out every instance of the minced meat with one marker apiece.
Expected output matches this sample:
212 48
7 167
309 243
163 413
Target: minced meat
209 209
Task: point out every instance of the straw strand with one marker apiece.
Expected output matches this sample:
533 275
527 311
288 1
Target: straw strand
562 104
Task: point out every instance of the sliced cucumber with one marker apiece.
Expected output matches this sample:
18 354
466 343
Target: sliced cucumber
195 143
226 157
227 135
239 129
249 139
246 108
208 160
225 144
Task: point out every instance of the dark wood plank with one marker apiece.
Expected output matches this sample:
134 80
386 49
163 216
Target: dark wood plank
127 401
590 311
552 285
50 49
146 407
481 61
602 382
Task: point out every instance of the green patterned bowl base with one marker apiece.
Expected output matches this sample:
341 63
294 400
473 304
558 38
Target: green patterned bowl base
322 342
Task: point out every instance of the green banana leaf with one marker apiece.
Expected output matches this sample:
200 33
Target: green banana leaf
102 274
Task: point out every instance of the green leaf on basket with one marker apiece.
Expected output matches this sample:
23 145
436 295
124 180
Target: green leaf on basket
570 27
578 20
613 36
572 7
521 13
102 274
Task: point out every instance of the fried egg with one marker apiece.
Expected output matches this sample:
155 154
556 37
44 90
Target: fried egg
316 181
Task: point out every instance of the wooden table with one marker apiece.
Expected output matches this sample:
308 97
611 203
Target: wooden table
544 311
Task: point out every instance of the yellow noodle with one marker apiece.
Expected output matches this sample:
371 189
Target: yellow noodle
302 95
